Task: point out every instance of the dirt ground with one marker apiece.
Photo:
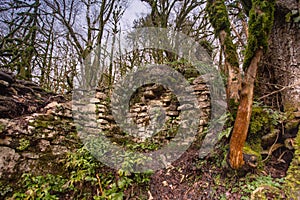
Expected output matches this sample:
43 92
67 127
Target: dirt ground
194 179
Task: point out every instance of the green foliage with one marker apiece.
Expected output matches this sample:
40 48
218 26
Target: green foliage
82 167
148 145
292 183
228 118
261 17
85 176
264 119
252 185
5 189
264 182
41 187
2 127
23 144
293 16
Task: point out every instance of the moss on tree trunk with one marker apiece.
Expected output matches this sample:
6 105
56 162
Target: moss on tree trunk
260 24
292 181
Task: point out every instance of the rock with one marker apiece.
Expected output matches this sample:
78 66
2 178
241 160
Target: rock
94 100
88 108
4 83
297 114
102 121
9 159
289 143
203 104
109 118
9 78
144 108
30 155
44 145
149 94
166 99
101 96
59 150
172 107
142 115
185 107
51 105
135 109
202 122
51 132
269 139
172 113
144 120
6 141
200 88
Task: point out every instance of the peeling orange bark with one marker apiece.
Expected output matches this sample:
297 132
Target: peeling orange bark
242 121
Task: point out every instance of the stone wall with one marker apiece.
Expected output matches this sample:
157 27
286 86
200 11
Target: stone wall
37 127
154 101
36 143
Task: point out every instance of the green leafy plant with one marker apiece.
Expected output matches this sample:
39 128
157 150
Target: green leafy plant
85 173
41 187
264 118
5 189
253 183
23 144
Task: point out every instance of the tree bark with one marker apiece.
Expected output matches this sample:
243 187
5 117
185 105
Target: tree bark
280 69
261 18
242 121
231 67
218 17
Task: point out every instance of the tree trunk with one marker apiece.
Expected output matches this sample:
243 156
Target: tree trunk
261 18
280 70
218 17
242 121
231 67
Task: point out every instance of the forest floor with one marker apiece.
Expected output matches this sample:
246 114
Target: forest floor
191 178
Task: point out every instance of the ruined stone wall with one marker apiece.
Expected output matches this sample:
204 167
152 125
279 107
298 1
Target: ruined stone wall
146 103
37 127
36 143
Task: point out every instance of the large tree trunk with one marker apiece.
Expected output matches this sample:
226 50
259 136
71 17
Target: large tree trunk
261 18
280 70
279 82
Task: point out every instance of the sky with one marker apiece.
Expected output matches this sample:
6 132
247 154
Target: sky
135 10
